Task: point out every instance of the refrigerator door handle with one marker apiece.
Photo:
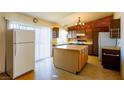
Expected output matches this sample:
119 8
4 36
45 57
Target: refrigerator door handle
15 43
15 49
15 36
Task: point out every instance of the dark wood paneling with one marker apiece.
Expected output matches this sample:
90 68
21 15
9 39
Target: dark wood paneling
95 38
102 22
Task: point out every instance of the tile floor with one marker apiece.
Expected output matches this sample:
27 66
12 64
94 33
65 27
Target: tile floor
45 70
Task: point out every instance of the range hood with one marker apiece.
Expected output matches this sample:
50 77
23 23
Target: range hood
81 34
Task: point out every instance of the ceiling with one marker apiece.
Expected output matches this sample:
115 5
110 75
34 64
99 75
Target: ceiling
68 18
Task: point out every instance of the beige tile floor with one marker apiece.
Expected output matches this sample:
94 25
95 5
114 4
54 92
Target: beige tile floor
45 70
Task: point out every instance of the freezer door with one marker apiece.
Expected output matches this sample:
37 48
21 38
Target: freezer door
24 58
22 36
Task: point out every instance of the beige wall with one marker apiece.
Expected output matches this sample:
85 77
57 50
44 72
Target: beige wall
121 16
2 43
16 17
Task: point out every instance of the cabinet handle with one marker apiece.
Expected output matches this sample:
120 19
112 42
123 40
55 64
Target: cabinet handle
110 54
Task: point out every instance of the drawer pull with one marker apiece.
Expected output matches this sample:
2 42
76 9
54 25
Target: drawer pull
110 54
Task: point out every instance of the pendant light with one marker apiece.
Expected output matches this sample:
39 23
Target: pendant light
79 22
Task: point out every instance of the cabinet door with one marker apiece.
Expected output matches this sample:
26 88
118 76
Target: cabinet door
95 43
90 49
115 28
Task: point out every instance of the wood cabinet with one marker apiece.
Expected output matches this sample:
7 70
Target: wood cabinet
90 50
95 42
55 32
89 38
115 28
111 59
95 38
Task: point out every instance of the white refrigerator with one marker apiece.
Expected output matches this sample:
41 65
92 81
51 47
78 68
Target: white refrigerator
105 40
20 52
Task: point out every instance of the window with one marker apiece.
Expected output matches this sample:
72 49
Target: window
43 43
62 36
19 25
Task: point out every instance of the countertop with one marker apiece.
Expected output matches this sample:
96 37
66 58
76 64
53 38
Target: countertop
111 48
74 43
72 47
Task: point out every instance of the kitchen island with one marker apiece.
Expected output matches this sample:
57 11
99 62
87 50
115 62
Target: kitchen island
71 58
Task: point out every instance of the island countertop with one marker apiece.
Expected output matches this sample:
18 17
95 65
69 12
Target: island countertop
74 43
71 47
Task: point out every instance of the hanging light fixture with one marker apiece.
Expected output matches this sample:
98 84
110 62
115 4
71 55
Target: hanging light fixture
81 32
79 22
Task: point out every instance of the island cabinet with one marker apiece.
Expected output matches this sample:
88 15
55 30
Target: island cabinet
115 28
71 58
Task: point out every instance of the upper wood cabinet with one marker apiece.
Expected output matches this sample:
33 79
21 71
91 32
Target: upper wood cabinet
115 28
55 32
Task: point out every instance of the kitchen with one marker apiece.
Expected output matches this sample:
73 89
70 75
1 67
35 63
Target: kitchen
83 33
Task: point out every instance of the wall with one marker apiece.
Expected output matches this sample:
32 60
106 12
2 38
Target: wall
121 16
16 17
2 44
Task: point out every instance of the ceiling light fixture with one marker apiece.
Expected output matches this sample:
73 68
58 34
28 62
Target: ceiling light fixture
79 22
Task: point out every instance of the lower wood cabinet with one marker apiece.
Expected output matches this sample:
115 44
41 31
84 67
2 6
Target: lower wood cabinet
95 42
111 59
90 49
